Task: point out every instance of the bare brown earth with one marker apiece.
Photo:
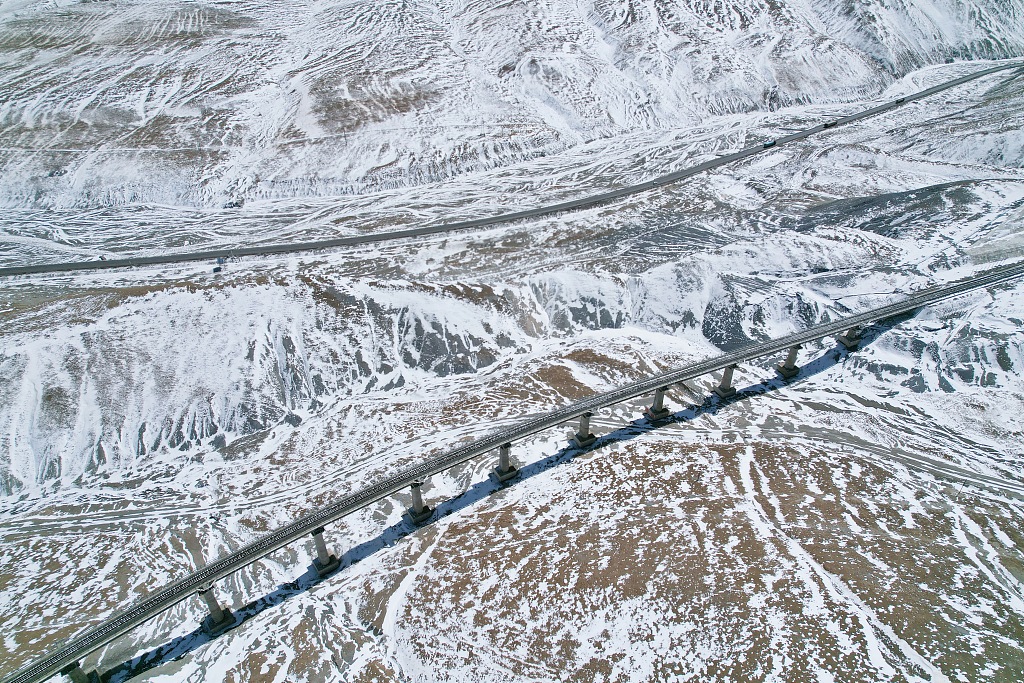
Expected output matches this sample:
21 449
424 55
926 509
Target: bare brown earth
823 565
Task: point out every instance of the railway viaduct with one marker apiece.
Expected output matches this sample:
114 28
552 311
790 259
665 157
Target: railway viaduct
66 658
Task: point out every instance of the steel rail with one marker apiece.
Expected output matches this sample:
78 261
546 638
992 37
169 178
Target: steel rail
581 203
163 599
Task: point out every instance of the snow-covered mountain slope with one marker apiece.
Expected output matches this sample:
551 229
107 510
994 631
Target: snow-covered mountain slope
862 523
98 378
199 104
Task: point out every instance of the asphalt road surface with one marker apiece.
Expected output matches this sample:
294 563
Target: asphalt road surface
584 202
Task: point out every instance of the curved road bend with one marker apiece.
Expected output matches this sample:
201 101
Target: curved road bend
150 606
581 203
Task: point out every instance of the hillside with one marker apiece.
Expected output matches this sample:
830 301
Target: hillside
860 523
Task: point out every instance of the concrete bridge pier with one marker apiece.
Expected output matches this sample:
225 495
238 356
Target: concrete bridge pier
657 409
505 469
850 339
789 369
583 437
220 618
419 512
725 389
325 562
75 674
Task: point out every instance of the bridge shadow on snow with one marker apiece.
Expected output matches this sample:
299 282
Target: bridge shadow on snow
711 404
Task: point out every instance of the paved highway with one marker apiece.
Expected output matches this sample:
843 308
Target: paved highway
148 607
584 202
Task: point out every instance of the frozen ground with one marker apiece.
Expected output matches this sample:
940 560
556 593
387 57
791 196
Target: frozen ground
861 523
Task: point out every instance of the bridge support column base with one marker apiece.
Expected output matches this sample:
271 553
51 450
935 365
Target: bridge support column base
505 469
420 517
215 628
220 618
323 570
325 562
789 369
501 477
75 674
654 415
657 410
850 340
787 372
582 440
725 388
420 512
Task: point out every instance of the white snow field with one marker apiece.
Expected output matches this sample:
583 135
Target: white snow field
864 521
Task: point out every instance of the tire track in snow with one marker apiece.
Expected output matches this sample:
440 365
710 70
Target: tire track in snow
399 597
878 634
884 457
993 569
339 480
550 209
